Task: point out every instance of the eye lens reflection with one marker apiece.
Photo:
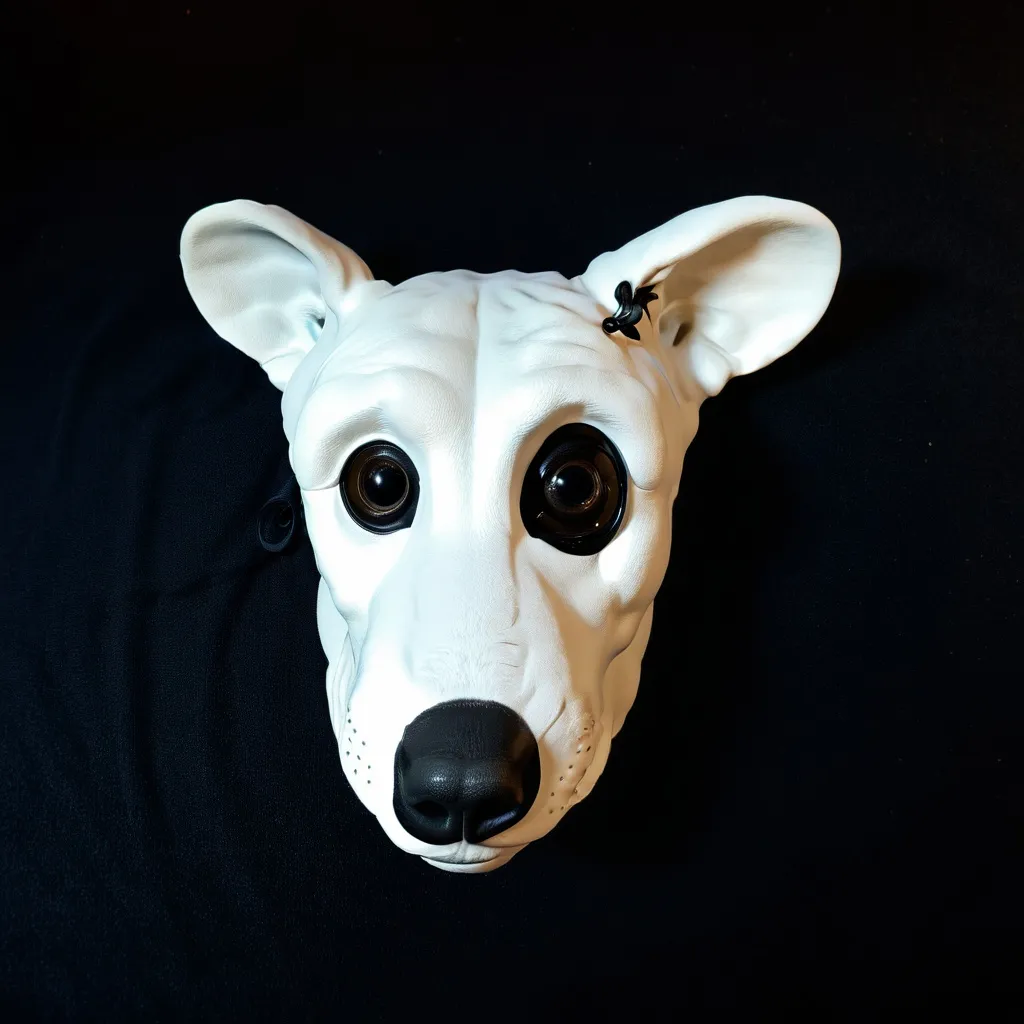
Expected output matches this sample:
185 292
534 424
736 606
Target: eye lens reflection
384 484
573 488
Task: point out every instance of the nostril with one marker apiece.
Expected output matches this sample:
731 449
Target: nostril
430 809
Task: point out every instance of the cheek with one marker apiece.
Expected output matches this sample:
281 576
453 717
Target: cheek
352 561
633 566
605 597
623 677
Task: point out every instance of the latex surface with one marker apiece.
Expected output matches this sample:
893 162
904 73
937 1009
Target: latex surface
468 375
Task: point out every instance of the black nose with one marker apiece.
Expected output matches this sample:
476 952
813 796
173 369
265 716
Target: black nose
465 769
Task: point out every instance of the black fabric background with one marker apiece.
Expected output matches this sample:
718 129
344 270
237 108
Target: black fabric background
816 801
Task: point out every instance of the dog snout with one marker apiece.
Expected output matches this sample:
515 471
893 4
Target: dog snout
465 770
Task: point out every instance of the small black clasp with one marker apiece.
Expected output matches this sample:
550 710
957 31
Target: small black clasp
632 307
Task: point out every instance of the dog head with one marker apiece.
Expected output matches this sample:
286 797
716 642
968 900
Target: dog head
488 464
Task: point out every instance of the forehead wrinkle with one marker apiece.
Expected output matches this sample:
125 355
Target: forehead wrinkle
562 337
529 297
411 404
539 353
406 323
553 291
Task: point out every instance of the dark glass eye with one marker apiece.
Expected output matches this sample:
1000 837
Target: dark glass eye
574 494
380 487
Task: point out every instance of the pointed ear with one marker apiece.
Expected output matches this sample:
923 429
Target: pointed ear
739 284
267 281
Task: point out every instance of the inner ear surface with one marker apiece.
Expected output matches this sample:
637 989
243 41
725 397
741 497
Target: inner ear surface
730 254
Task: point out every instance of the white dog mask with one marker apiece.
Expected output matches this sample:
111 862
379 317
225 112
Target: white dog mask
487 464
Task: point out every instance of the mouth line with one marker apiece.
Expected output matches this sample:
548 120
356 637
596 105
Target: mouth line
463 860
